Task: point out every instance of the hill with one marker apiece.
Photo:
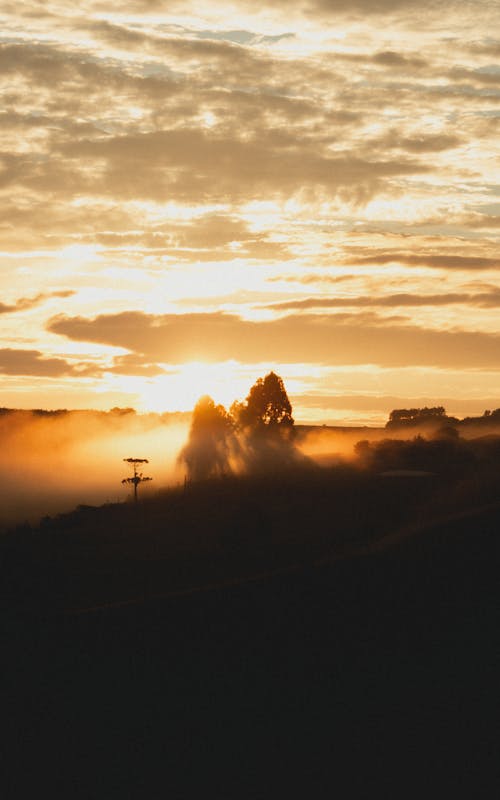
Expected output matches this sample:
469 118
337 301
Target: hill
321 631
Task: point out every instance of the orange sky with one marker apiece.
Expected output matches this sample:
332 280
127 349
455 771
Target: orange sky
189 199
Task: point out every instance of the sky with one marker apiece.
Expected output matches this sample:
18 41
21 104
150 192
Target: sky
194 194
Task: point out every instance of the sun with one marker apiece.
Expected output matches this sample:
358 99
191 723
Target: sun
180 389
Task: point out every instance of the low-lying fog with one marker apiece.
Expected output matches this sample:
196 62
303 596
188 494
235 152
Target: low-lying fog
329 445
54 461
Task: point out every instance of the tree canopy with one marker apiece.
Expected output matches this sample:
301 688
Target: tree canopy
266 405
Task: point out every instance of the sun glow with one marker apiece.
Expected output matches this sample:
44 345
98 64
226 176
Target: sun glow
281 171
180 390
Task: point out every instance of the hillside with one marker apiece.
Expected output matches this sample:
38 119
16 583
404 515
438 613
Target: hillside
215 531
312 632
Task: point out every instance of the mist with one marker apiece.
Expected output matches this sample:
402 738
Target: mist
54 461
328 446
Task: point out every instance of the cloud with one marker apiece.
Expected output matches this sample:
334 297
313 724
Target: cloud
205 237
132 364
481 221
219 236
483 76
390 301
190 164
489 299
336 339
35 364
398 62
426 143
71 80
271 135
374 7
183 45
289 7
311 278
122 36
393 59
436 260
486 48
25 303
328 8
46 222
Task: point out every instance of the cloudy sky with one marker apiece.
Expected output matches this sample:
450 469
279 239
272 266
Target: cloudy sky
192 194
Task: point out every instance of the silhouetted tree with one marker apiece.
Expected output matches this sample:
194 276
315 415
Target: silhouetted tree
265 426
266 405
211 440
137 477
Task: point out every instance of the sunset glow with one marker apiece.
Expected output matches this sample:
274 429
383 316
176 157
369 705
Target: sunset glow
192 197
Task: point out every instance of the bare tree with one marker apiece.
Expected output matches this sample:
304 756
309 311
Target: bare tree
138 477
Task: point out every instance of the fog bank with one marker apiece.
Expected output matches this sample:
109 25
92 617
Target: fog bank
53 461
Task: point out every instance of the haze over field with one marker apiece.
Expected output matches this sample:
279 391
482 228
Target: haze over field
191 196
53 463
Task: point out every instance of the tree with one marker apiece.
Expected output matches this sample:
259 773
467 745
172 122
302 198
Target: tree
267 405
138 477
265 427
211 437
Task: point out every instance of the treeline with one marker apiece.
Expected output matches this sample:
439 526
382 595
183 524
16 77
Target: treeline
86 413
435 417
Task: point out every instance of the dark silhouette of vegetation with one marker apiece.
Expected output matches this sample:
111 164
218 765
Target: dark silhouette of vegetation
490 419
266 428
445 454
211 441
255 436
137 477
418 417
267 406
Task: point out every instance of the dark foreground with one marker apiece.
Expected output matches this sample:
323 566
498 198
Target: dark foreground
373 667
